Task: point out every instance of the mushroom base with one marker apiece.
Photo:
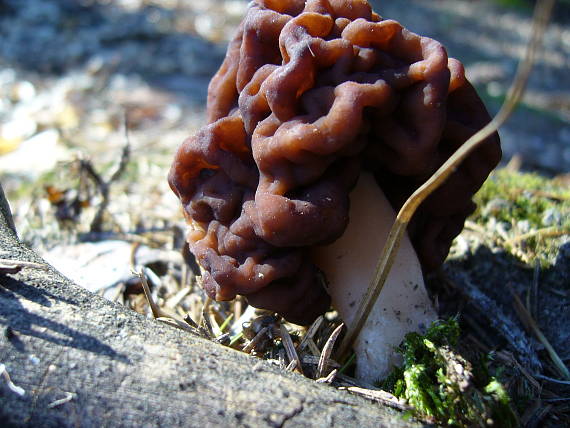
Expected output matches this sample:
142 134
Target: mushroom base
349 263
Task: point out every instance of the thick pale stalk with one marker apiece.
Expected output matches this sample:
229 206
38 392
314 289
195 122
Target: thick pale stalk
349 265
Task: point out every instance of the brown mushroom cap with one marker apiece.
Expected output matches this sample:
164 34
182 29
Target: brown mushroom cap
310 92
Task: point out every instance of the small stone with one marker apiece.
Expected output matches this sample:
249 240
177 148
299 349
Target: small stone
235 8
34 156
495 89
7 76
23 91
460 247
33 359
523 226
17 129
551 217
494 206
204 25
67 118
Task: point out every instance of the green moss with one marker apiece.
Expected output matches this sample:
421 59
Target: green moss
526 203
527 197
442 386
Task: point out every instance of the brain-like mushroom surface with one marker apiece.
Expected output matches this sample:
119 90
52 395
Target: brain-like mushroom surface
311 92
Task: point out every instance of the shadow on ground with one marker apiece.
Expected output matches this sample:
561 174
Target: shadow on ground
18 320
480 288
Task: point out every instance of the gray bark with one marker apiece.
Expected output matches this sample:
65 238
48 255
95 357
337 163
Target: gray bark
125 370
5 213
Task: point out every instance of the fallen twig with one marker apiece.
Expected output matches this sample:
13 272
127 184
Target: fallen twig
290 347
256 339
547 232
530 323
551 379
182 326
104 186
380 396
510 360
291 366
498 320
191 322
10 266
329 378
327 351
68 397
16 389
532 295
207 324
313 360
311 332
156 311
169 318
5 210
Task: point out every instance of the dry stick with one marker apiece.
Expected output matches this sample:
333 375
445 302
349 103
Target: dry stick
5 209
190 321
540 21
290 348
211 315
68 397
205 307
105 186
291 366
509 359
207 323
313 348
313 360
551 379
311 332
164 316
327 351
533 294
329 378
381 396
257 338
156 312
14 388
547 232
529 321
14 266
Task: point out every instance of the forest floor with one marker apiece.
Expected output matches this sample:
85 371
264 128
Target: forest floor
80 80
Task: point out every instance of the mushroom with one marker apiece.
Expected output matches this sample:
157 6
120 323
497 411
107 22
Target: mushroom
319 109
349 263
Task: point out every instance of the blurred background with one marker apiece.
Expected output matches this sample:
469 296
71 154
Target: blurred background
71 70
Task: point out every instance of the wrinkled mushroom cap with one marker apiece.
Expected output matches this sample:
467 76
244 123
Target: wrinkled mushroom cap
309 94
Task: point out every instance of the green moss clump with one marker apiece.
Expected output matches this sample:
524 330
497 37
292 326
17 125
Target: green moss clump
524 196
445 388
526 203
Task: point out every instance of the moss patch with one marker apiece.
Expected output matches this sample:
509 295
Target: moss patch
530 213
442 386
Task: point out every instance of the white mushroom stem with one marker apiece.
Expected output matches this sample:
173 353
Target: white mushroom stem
349 263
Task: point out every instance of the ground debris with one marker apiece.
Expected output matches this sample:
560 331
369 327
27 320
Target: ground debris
10 266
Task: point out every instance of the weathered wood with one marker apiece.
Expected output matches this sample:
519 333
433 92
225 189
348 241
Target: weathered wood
5 213
121 369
